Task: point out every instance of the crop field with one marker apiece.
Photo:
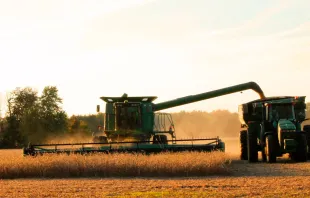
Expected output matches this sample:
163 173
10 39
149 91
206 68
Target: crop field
165 175
14 165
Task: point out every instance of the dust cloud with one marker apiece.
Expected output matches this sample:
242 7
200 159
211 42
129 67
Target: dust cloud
220 123
68 138
199 124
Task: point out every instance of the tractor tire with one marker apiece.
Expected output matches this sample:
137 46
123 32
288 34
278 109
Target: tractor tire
270 150
264 156
252 144
244 144
301 149
307 130
160 139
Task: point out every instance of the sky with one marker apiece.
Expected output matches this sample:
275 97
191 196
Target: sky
162 48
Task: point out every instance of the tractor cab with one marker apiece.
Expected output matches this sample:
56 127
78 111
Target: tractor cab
278 111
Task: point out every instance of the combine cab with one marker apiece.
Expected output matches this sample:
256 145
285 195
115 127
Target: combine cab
272 126
134 124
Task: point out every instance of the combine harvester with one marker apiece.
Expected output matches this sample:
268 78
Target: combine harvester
131 125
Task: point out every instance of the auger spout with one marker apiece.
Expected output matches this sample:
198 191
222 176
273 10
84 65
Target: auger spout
207 95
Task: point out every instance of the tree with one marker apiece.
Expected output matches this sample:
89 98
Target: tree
92 120
53 118
21 117
31 118
78 126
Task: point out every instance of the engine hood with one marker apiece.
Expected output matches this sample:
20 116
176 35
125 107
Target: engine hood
286 125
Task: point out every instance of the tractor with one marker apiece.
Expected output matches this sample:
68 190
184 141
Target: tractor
273 126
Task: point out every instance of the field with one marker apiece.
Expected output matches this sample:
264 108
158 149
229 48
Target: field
14 165
283 179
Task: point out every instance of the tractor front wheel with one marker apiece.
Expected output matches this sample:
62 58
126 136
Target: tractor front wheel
301 150
270 149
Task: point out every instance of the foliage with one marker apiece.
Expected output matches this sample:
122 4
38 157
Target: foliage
78 126
92 120
53 118
307 114
31 118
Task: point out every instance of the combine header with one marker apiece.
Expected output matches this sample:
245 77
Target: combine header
131 125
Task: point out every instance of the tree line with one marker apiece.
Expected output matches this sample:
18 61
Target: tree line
38 119
35 119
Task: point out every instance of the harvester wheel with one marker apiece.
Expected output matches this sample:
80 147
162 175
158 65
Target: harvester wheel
252 143
244 145
270 151
100 139
160 139
301 150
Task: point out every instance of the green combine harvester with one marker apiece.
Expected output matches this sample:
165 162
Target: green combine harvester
132 124
273 126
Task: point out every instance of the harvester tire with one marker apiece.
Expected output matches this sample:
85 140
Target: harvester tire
244 144
160 139
271 153
301 149
100 139
252 144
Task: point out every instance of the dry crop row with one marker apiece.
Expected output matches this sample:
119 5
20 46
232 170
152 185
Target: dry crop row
115 165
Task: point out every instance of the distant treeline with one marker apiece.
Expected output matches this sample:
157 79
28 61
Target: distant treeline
35 119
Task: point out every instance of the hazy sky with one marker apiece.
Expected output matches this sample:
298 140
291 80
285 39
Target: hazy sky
164 48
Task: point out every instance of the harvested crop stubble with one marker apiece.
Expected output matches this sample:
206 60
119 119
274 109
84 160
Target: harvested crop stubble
115 165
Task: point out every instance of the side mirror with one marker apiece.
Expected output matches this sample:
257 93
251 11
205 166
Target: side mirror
98 108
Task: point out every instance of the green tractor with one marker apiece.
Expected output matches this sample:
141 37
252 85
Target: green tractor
273 127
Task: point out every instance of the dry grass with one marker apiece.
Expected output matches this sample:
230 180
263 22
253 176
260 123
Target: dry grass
114 165
283 179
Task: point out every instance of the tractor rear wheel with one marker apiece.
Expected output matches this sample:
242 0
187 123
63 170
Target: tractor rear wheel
244 144
264 156
252 143
160 139
270 151
301 150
